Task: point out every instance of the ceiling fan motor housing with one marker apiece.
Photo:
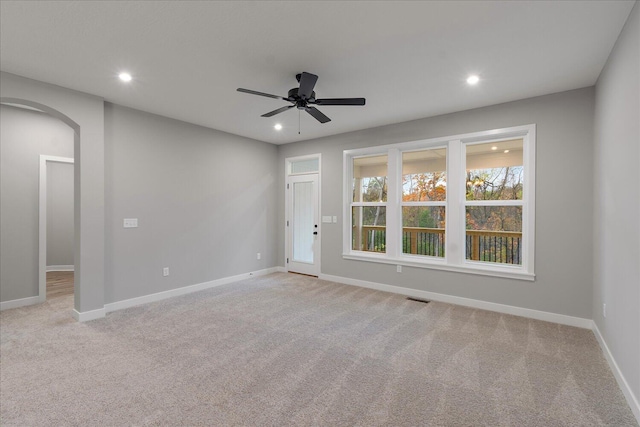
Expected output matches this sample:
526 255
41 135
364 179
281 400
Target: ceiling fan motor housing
300 102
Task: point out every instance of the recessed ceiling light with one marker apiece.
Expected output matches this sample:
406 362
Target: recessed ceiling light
506 151
125 77
473 79
278 126
494 148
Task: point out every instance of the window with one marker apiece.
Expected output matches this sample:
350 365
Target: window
493 208
369 204
303 165
461 203
424 195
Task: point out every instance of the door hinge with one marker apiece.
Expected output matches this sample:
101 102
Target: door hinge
287 186
287 260
287 223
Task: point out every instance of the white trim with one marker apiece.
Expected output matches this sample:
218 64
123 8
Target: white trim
436 263
347 199
85 316
393 247
456 204
467 302
529 211
454 231
60 268
22 302
42 222
632 400
145 299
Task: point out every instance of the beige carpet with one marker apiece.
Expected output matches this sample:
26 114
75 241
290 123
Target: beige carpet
292 350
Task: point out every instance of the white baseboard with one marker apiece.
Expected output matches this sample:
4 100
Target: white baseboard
85 316
467 302
60 267
22 302
145 299
632 400
280 269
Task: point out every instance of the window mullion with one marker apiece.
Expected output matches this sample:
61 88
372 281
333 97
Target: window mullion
469 151
454 233
394 191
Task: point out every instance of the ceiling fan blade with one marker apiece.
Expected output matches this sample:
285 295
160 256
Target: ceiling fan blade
340 101
307 83
317 114
278 111
253 92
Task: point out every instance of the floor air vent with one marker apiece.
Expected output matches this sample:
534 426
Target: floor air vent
426 301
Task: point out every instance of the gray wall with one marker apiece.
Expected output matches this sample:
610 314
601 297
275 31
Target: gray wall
616 256
563 203
24 136
85 115
204 199
59 214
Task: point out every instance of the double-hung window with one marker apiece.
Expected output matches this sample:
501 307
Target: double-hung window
460 203
494 201
369 204
424 195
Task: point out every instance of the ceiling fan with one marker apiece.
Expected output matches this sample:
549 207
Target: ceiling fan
303 98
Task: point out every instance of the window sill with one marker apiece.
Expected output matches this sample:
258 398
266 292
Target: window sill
507 272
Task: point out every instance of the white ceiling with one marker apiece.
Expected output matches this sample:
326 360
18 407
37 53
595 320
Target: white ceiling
409 59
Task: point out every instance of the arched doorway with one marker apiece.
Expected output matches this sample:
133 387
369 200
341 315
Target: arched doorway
84 114
41 255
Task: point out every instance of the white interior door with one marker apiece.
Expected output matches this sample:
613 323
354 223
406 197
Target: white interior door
303 226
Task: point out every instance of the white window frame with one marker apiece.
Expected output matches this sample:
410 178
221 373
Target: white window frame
454 259
419 258
353 204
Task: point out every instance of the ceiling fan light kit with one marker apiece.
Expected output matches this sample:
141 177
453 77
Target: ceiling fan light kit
303 98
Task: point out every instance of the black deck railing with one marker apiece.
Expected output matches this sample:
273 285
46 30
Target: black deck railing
494 246
481 245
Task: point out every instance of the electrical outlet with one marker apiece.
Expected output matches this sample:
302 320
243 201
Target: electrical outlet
165 271
258 255
604 310
398 269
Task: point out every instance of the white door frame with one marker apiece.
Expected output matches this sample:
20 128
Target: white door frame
287 173
42 218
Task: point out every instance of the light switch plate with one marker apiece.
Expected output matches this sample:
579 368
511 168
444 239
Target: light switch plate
130 222
326 219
